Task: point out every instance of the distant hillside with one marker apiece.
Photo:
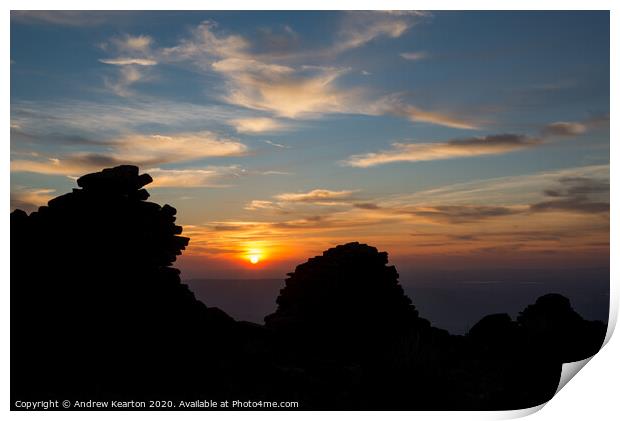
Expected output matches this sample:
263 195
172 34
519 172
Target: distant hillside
452 300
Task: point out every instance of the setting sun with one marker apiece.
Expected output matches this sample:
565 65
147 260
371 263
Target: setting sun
254 255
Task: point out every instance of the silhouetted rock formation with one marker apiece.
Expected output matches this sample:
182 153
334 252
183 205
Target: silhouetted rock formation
98 313
494 330
544 336
347 301
346 308
96 309
551 327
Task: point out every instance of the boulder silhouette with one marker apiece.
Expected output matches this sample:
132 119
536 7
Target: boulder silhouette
344 319
495 333
553 329
520 362
346 301
96 308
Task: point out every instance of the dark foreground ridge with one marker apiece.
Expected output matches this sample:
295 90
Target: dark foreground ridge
97 313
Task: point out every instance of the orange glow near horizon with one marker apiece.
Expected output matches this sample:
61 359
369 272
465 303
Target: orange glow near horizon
430 239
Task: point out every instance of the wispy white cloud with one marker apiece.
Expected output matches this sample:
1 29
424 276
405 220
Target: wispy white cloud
276 83
416 114
308 92
277 145
362 27
258 125
52 166
190 178
284 203
142 150
130 44
128 75
179 147
256 81
261 204
203 45
135 54
125 61
29 199
458 148
513 190
580 190
315 196
274 80
105 117
395 105
564 128
414 56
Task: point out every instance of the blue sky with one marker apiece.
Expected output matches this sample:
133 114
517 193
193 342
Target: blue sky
284 133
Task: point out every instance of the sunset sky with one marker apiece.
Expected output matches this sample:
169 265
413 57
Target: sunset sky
448 139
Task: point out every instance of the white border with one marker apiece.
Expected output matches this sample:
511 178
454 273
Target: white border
592 395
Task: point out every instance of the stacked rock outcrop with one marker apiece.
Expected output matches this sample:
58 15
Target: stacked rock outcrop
347 300
94 299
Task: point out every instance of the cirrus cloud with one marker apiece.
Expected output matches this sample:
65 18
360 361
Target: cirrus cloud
362 27
257 125
138 149
138 55
191 178
315 196
124 61
564 128
394 104
29 199
414 56
277 83
457 148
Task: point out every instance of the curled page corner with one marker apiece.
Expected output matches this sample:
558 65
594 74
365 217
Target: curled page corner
569 370
519 413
